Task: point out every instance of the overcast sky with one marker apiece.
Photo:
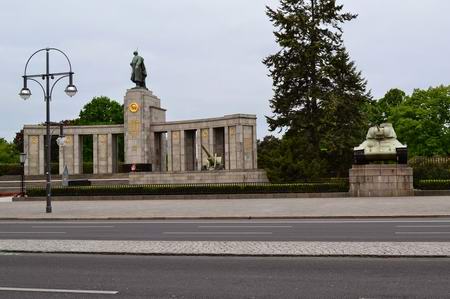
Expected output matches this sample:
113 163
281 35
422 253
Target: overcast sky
203 56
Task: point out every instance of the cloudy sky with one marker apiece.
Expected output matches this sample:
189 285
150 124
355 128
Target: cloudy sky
203 56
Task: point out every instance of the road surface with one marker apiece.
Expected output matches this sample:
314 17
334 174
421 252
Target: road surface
358 230
102 276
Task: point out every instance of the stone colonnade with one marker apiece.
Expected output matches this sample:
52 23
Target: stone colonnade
71 154
149 140
232 137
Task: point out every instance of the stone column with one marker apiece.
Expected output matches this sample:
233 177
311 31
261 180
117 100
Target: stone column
163 152
76 155
26 151
211 141
33 162
61 158
248 146
176 151
69 154
226 162
182 151
198 141
41 155
110 152
255 149
232 147
169 151
239 147
205 141
102 153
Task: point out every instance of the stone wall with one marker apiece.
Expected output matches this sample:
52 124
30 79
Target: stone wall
381 180
199 177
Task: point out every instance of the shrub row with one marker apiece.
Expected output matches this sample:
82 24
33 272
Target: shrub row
430 168
341 186
432 184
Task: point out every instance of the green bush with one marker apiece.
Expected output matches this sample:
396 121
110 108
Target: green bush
430 168
335 186
432 184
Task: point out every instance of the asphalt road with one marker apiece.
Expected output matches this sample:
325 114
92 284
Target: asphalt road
101 276
398 230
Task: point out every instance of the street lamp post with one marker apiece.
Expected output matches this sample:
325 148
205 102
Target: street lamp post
25 93
23 158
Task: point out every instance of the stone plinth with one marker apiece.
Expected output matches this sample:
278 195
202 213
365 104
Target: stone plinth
381 180
141 109
199 177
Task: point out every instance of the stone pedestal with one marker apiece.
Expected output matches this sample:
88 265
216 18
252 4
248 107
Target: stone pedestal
141 109
381 180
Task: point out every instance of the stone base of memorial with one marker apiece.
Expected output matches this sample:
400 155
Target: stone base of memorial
200 177
381 180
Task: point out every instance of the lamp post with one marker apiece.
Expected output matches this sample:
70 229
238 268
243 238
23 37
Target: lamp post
25 93
23 158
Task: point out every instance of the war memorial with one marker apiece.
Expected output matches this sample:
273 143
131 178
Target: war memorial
156 151
212 150
375 179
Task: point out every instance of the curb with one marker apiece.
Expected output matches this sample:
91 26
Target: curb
233 196
230 255
222 218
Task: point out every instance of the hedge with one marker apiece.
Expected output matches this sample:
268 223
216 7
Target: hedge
430 168
432 184
189 189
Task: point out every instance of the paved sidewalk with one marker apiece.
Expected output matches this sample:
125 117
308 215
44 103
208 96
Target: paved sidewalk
368 249
232 208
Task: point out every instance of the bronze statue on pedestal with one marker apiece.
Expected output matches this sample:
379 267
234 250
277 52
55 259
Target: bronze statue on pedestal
138 71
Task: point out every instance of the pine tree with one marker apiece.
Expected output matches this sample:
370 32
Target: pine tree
319 96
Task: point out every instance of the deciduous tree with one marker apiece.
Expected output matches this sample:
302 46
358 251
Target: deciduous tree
422 121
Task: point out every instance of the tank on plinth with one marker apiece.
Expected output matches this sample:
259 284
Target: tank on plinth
380 165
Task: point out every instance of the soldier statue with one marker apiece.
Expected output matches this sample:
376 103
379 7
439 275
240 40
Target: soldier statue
138 71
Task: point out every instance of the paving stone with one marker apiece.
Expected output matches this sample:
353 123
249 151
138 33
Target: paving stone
385 249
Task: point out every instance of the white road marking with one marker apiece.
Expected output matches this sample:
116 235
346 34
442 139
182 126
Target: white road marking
5 199
58 291
72 226
271 221
245 226
426 226
32 232
422 233
217 233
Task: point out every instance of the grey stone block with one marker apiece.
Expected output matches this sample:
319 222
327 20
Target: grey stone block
381 180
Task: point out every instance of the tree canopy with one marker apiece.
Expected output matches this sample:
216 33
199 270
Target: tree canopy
8 152
422 121
380 111
100 111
